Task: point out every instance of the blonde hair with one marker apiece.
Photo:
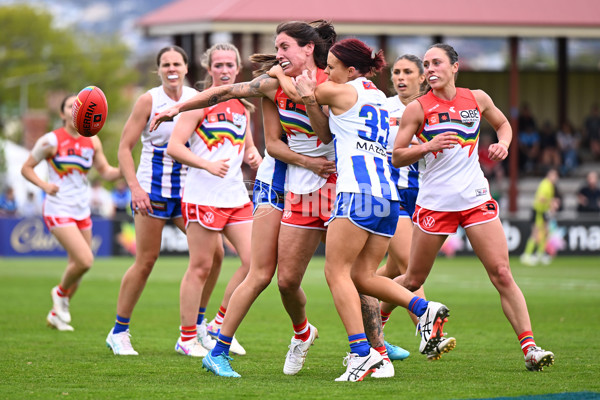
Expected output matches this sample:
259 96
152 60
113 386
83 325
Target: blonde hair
206 61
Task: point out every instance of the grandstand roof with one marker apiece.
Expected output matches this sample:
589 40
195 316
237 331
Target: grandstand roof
551 18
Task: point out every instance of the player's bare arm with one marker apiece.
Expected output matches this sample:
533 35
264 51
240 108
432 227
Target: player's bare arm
261 86
498 121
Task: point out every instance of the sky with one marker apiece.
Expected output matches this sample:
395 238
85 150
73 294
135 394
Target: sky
108 16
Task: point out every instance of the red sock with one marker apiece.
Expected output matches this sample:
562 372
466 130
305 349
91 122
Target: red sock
384 318
61 291
188 332
383 351
301 331
220 316
526 340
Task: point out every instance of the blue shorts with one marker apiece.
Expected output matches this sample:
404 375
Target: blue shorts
163 207
263 193
408 201
373 214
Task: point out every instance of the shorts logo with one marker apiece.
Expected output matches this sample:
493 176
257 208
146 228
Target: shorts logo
488 209
209 218
428 222
159 205
287 214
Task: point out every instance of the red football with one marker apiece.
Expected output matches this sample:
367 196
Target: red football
90 110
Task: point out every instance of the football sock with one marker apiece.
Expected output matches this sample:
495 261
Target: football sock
384 318
121 324
301 331
188 332
359 344
383 351
201 312
61 291
220 316
526 340
222 346
417 306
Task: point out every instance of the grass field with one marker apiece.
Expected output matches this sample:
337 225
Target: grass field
37 362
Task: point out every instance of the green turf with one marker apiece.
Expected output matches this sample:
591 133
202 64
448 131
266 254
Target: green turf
36 362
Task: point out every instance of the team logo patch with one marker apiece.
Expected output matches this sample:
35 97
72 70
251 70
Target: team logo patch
481 192
444 117
434 120
369 85
428 222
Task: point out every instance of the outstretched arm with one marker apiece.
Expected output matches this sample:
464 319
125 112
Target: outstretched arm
261 86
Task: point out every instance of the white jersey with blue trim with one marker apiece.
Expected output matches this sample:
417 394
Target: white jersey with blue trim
272 172
408 176
158 173
360 139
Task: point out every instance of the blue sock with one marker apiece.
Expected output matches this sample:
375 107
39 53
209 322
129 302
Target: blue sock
222 346
121 325
359 344
201 312
417 306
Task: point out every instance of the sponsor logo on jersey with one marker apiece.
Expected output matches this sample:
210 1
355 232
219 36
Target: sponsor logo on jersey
469 116
371 147
433 108
481 192
394 121
433 119
444 117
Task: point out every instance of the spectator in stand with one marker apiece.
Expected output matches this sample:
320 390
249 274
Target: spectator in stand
8 204
550 153
592 131
121 198
588 197
100 201
529 140
32 206
568 144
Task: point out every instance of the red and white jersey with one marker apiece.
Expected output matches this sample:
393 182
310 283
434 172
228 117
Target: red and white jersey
221 134
157 172
303 140
68 169
453 179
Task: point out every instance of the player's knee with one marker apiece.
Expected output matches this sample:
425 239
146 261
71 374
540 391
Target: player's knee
86 262
502 277
412 283
288 283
